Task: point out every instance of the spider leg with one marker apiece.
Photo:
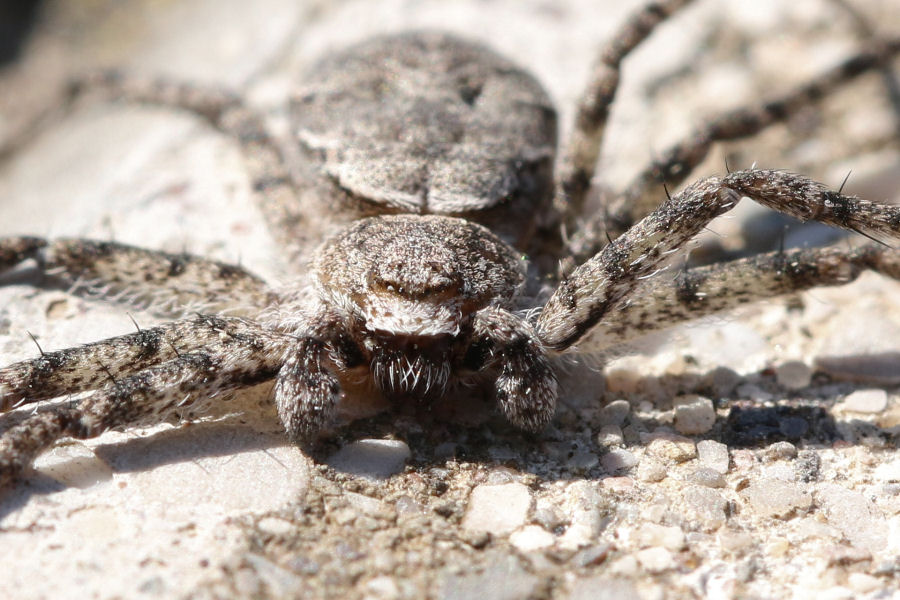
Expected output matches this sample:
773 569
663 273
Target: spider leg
580 156
675 164
526 384
92 366
166 284
598 286
692 294
307 390
144 397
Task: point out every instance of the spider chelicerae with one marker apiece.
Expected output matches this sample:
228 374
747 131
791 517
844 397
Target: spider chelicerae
422 168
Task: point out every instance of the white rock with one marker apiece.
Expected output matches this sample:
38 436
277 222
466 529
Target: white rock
651 470
610 436
274 526
497 509
889 471
615 412
372 459
671 448
714 455
618 460
866 401
694 414
585 523
863 583
73 465
651 534
655 560
382 588
531 538
777 498
855 516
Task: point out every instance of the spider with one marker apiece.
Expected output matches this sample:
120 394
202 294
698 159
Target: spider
450 257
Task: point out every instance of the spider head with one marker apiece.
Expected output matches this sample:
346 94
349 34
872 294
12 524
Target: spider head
407 288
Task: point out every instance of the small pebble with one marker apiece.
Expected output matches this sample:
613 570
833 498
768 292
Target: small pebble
780 451
582 504
651 470
274 526
708 478
713 455
610 436
651 535
655 560
776 498
73 465
673 448
627 566
743 459
694 415
855 516
866 401
778 547
794 375
382 588
615 413
373 459
704 506
497 509
722 381
618 460
863 583
531 538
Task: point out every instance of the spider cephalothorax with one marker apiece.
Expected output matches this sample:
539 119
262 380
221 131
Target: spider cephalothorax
411 303
424 162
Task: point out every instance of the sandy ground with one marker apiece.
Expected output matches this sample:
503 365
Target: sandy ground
750 456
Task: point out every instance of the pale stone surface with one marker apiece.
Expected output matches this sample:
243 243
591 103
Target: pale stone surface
497 509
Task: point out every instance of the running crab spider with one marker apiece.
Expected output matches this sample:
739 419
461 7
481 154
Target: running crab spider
427 173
